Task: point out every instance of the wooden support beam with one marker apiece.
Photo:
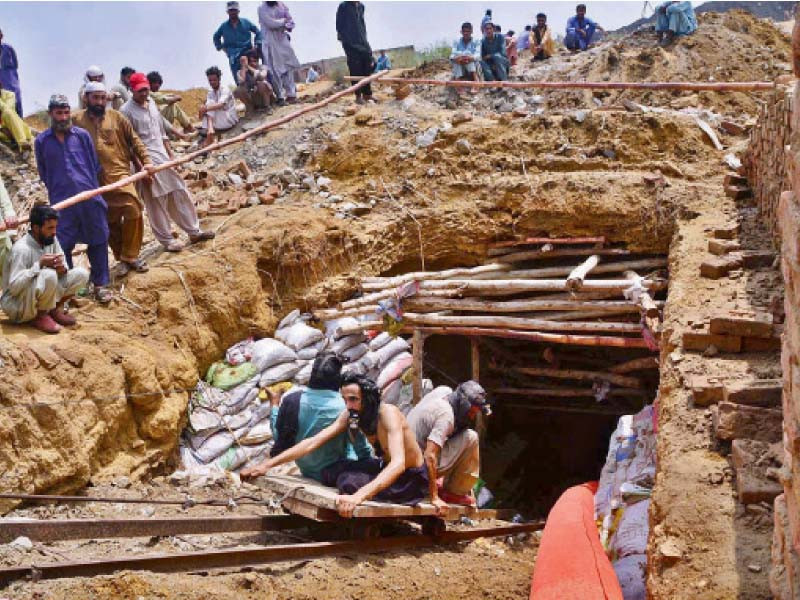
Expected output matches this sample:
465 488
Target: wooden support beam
382 283
516 286
518 323
649 307
576 277
475 355
580 375
637 364
558 271
536 336
427 304
582 315
537 254
543 240
418 357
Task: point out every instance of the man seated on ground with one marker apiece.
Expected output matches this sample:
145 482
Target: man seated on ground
253 87
303 414
494 61
674 19
465 55
524 41
441 425
397 476
12 128
383 63
312 75
219 112
542 44
36 280
168 103
580 30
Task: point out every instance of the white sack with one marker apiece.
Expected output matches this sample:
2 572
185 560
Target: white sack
270 352
278 373
299 336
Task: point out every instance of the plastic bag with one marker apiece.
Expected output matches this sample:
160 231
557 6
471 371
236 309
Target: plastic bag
269 352
214 446
225 377
207 395
240 397
394 370
299 336
240 352
257 434
278 373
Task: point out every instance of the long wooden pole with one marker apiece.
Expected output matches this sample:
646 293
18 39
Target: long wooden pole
579 273
427 304
541 253
418 359
543 240
545 272
637 364
536 336
514 286
518 323
83 196
581 375
715 86
381 283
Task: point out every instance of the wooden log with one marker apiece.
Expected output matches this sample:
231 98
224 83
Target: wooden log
579 273
371 299
475 355
569 392
637 364
428 304
543 240
546 272
581 315
418 341
515 286
381 283
536 336
536 254
83 196
686 86
649 307
581 375
503 322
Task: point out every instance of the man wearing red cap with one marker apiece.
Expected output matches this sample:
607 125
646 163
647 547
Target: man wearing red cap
165 195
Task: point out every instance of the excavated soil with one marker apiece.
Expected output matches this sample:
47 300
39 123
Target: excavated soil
108 398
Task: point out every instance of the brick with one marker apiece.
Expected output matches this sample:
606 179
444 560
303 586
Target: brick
752 486
789 222
757 259
47 358
706 390
791 431
719 266
727 232
734 421
700 341
731 127
751 326
762 392
721 247
754 344
793 514
738 192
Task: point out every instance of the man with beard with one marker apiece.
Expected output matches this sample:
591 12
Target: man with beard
444 428
301 415
36 280
117 146
68 165
396 475
279 57
165 194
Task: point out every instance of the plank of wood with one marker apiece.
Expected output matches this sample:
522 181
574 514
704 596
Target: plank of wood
519 323
538 254
428 304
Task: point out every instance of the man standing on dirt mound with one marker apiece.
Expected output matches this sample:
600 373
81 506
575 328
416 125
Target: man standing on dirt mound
352 32
233 36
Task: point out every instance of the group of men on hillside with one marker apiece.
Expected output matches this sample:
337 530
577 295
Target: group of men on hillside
340 433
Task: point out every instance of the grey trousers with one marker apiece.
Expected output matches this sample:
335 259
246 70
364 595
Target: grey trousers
43 293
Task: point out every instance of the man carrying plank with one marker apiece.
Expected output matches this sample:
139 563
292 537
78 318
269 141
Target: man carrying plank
398 475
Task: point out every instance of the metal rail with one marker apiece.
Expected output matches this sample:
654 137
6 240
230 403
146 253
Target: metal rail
71 529
238 557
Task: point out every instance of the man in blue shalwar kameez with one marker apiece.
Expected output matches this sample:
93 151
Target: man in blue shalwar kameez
580 30
68 165
234 37
8 72
674 19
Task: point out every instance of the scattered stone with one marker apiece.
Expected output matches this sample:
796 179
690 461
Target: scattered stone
712 350
734 421
706 390
122 482
669 551
351 110
334 198
720 266
463 146
323 183
363 118
731 127
738 192
610 154
402 91
431 172
324 195
520 112
727 232
579 116
427 138
753 326
47 357
722 247
73 357
408 103
22 543
461 117
505 107
148 511
754 568
235 179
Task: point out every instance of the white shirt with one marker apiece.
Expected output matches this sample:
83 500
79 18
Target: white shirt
226 117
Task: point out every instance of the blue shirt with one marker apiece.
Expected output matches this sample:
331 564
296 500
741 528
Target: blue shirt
69 168
318 410
236 40
383 64
584 25
462 49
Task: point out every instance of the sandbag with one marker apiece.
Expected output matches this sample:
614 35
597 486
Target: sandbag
204 420
207 395
631 572
269 352
240 352
310 352
345 343
385 355
571 563
214 446
379 341
304 374
240 397
391 394
354 368
336 327
189 459
394 370
355 353
290 319
631 534
225 377
259 412
299 336
259 433
238 455
282 372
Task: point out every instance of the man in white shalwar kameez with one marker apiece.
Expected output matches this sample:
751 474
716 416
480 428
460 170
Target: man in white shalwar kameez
36 280
276 24
164 194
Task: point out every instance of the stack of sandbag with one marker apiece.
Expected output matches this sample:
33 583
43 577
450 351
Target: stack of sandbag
306 341
623 499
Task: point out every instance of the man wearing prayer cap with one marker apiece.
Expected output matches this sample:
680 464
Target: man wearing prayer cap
234 36
117 146
68 165
93 73
165 194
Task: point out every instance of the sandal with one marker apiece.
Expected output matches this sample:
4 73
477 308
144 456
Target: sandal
174 246
103 295
202 236
137 265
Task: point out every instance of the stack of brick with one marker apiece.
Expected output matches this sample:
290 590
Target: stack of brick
785 572
764 163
